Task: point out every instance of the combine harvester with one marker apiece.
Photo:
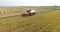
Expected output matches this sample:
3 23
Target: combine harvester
29 12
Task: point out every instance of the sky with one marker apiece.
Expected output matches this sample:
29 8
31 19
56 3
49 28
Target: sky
29 2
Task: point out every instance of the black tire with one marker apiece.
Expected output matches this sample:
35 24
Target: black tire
24 15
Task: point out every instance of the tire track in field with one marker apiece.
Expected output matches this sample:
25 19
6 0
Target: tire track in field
31 24
28 26
34 27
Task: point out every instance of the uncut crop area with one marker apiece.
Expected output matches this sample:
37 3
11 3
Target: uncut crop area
46 20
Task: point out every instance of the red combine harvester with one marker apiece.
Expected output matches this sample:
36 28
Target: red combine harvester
29 12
